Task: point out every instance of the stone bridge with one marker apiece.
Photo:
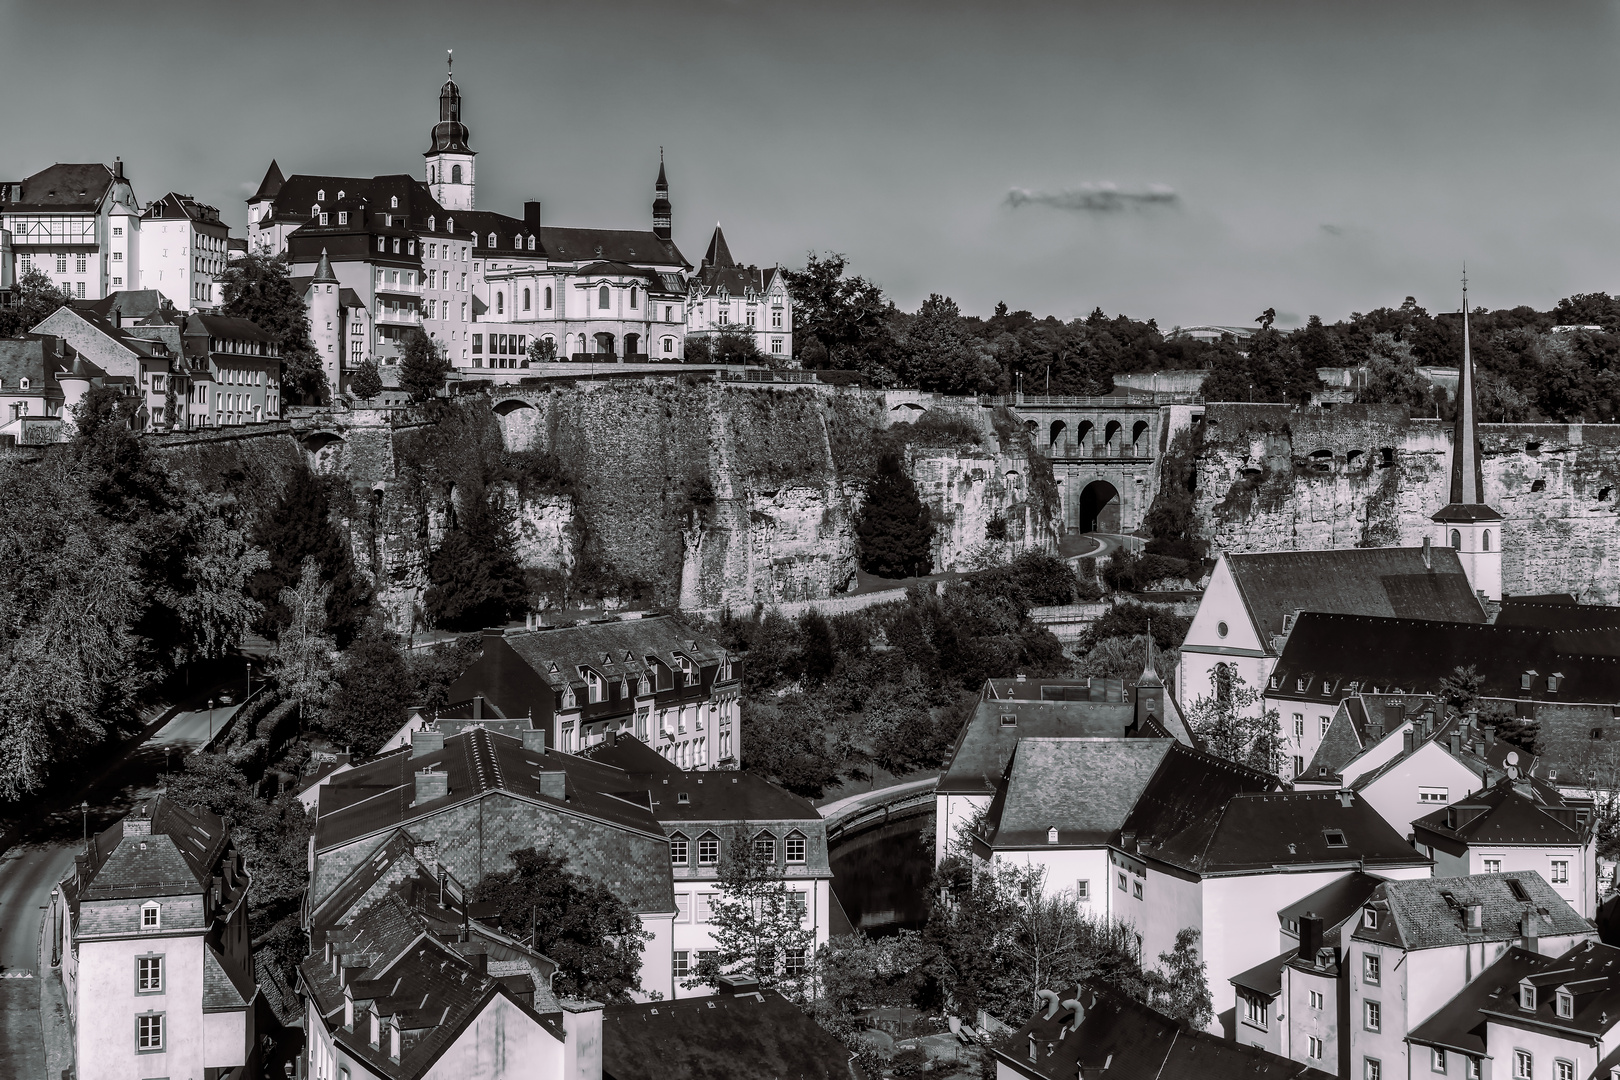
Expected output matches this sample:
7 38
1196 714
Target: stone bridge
849 819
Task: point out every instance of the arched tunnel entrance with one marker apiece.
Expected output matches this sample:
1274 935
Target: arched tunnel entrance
1099 507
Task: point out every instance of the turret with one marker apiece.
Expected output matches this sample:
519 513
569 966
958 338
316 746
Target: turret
326 322
1149 688
1467 523
450 159
663 209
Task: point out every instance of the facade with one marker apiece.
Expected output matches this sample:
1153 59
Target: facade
32 402
76 224
724 297
233 373
654 679
139 359
183 248
155 949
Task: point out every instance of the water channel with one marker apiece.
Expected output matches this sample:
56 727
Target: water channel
881 876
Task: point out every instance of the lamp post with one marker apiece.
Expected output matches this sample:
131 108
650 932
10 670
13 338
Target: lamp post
84 811
210 720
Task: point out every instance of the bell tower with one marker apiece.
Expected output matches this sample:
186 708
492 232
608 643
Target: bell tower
663 211
1466 522
450 159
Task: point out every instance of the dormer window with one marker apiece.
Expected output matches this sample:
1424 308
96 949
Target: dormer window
151 916
1369 918
683 798
1527 996
430 223
765 847
1009 719
678 850
450 226
1528 679
1052 835
343 217
393 202
1566 1004
794 847
376 1030
315 211
320 196
491 239
1553 680
595 688
340 196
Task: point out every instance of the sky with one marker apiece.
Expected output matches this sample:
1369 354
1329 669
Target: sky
1189 162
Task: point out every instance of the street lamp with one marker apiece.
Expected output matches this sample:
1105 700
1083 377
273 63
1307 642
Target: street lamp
84 811
210 720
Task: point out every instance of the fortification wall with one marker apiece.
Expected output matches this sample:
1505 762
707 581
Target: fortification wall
1272 476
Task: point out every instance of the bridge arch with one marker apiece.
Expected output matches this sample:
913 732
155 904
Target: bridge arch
1139 432
520 422
1084 433
1111 433
324 450
1057 431
1099 507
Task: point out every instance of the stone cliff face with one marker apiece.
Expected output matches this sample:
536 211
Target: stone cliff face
703 496
1273 477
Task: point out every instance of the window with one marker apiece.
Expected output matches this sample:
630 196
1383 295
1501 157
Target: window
1372 968
776 319
1437 1059
1471 1070
1313 1048
708 850
118 256
750 319
78 264
1122 881
1372 1069
1560 871
1372 1016
548 297
1456 540
1563 1070
1566 1004
527 296
151 916
500 303
1052 835
765 848
1136 887
1523 1065
682 963
1254 1010
683 907
1527 996
396 245
1316 999
633 295
1082 890
704 911
326 219
149 1033
393 202
118 230
795 848
1299 765
776 346
1299 725
343 217
61 264
795 962
78 289
382 243
1433 794
1334 837
149 975
1493 866
602 298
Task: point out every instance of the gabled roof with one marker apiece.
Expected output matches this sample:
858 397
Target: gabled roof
132 305
64 188
614 245
178 856
1354 581
1086 788
1333 903
1432 913
724 795
37 358
270 185
985 745
1285 830
613 649
718 1038
223 989
226 328
1522 811
1589 970
175 206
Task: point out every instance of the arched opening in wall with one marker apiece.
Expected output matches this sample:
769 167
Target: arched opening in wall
519 422
1539 485
1032 426
1111 433
1386 456
1099 507
1456 540
632 345
905 412
1533 449
1603 496
1056 435
324 450
455 174
604 343
1485 540
1084 434
1139 436
1223 682
1352 458
1322 460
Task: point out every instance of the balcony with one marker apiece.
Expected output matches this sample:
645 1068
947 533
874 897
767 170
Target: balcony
400 288
1071 450
399 317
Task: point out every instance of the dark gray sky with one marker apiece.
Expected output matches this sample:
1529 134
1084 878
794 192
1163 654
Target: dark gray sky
1193 162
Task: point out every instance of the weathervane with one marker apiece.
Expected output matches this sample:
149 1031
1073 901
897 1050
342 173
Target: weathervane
450 62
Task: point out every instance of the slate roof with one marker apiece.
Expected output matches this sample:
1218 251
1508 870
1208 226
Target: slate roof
270 185
175 205
1176 815
1119 1037
338 904
718 255
37 358
297 194
1530 811
614 245
613 649
1344 654
179 857
1332 903
1281 830
1431 913
1474 751
1353 581
1265 977
723 795
133 304
1543 613
1084 787
77 188
719 1038
1362 722
1589 970
223 991
275 992
226 327
985 744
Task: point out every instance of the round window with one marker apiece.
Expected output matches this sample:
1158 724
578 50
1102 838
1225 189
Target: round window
1220 628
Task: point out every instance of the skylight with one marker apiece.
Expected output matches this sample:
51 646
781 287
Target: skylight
1335 837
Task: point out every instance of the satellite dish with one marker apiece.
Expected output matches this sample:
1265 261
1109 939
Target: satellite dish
1512 758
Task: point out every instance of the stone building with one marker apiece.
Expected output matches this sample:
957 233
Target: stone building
155 949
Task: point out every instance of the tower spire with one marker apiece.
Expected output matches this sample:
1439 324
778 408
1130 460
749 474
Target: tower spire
1469 524
1467 474
663 211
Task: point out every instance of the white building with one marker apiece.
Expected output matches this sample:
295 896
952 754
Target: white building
66 222
183 249
726 298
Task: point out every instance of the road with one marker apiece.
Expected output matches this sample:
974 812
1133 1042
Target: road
877 795
31 867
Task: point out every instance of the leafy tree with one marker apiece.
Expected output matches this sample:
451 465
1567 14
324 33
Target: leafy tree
940 356
366 382
697 350
846 319
543 351
819 645
900 727
205 599
594 938
759 927
305 658
260 288
894 528
374 688
1124 658
787 744
422 369
434 669
1461 688
858 972
1234 723
1180 987
731 347
298 529
474 577
37 298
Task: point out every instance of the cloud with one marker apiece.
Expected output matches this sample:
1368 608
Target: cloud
1333 230
1101 198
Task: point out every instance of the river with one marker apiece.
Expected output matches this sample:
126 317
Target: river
881 877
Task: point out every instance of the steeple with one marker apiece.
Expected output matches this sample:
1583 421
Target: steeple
718 255
450 159
1149 689
663 211
1468 523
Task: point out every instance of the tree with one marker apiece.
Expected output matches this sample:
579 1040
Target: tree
37 298
1461 688
543 350
895 533
366 382
760 926
940 356
787 743
374 689
474 577
206 599
594 938
260 288
422 369
697 350
305 657
298 529
845 319
731 347
1180 987
858 972
1235 724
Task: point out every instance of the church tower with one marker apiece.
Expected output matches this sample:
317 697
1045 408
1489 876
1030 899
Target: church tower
663 211
1467 523
450 160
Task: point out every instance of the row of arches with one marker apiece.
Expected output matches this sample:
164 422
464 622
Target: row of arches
1060 442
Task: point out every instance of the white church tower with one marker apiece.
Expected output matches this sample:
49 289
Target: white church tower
450 161
1466 522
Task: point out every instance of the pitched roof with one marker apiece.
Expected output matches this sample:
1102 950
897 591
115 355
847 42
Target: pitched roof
1120 1037
718 255
1589 970
1084 787
34 357
1281 830
612 648
986 742
1333 903
178 856
132 304
64 187
1354 581
1523 811
615 245
176 205
1432 913
223 989
270 185
677 796
226 327
718 1038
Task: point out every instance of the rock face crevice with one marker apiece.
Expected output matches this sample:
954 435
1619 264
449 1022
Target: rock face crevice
1271 477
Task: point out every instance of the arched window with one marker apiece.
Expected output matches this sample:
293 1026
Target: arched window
151 916
315 211
669 346
491 239
548 297
531 243
455 174
430 223
500 304
602 298
632 298
1223 683
449 224
1486 540
594 686
1456 540
393 202
526 299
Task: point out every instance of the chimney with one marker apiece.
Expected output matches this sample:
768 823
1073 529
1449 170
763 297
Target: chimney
118 168
1310 937
531 216
427 853
1375 728
1456 744
1428 556
426 741
1490 736
733 985
554 785
1347 797
478 707
431 785
582 1039
138 824
534 739
1406 740
611 738
1530 930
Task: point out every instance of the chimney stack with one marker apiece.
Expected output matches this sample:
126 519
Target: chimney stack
1407 740
534 739
1347 797
431 785
426 741
554 785
1456 744
531 216
1310 937
1530 930
118 168
582 1039
1428 555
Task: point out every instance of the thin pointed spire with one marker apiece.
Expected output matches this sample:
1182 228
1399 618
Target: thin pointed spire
1467 473
449 63
1150 676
